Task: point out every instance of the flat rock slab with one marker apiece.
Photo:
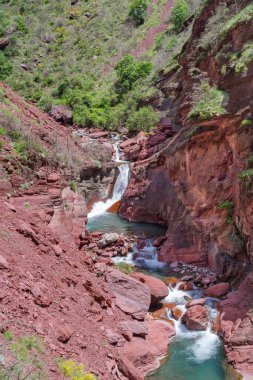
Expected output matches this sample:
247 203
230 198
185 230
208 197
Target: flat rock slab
131 296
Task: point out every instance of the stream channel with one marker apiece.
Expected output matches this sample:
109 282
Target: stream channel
192 355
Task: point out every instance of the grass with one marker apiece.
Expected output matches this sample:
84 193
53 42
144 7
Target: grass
239 62
73 371
125 268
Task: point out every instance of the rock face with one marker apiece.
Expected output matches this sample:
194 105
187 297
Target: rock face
157 288
196 318
131 296
62 114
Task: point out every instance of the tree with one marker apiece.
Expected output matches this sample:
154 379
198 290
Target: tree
179 14
138 10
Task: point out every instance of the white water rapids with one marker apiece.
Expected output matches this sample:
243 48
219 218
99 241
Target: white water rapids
119 187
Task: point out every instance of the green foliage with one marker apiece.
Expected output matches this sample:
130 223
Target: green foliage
29 149
73 186
129 71
138 10
1 145
207 102
73 371
24 358
179 14
245 14
246 123
227 205
240 62
3 131
211 33
125 268
246 174
142 120
5 66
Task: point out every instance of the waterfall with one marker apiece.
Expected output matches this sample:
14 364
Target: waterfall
119 187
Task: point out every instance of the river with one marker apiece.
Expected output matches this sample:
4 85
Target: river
192 355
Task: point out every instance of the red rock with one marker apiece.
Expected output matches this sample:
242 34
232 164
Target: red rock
218 290
131 296
61 113
159 241
3 263
135 327
176 313
144 354
200 301
157 287
64 333
196 318
98 135
186 286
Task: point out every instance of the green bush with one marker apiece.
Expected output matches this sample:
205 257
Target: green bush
246 174
229 206
3 131
74 186
179 14
142 120
129 71
246 123
207 102
138 10
1 145
5 66
73 371
240 63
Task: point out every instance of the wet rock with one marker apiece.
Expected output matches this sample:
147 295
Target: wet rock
108 239
176 313
196 318
131 296
200 301
157 287
218 290
159 241
144 354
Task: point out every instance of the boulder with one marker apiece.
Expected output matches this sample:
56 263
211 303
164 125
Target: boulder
3 263
145 354
131 296
61 113
196 318
200 301
157 287
135 327
217 290
108 239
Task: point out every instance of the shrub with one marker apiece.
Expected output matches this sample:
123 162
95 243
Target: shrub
73 185
73 371
142 120
240 63
129 71
125 267
246 123
246 174
1 145
3 131
138 10
5 66
210 36
179 14
24 358
245 14
229 206
207 102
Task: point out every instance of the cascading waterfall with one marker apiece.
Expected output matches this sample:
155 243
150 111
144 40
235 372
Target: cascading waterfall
119 187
